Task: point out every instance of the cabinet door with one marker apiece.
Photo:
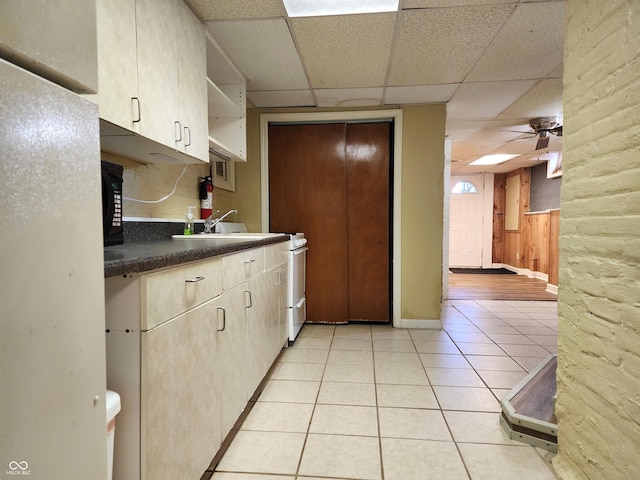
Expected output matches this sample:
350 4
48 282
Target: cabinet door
117 63
181 400
262 326
192 83
158 70
283 286
231 354
56 40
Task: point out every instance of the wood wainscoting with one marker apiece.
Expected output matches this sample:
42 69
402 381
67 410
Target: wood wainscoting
532 247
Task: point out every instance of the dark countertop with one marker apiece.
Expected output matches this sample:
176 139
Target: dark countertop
145 255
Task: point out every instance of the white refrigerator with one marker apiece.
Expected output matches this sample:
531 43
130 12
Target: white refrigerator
52 340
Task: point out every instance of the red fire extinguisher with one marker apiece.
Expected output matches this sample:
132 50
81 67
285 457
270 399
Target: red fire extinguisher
206 196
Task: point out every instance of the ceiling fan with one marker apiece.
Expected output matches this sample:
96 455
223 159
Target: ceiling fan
542 127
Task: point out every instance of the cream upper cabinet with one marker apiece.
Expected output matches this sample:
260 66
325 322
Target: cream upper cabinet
192 85
152 68
55 40
157 37
118 71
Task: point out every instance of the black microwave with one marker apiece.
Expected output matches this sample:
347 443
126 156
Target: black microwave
112 232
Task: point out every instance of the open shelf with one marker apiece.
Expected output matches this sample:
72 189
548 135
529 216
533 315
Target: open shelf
226 92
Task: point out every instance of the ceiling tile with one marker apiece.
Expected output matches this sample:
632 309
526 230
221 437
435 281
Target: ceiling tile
264 52
462 130
529 46
485 100
349 97
408 4
419 94
543 100
557 73
228 9
441 45
284 98
345 51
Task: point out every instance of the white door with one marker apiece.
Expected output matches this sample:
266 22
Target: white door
465 222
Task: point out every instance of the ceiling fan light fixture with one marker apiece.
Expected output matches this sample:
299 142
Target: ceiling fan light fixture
314 8
493 159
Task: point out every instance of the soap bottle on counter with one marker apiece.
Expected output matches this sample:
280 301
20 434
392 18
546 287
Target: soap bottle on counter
188 221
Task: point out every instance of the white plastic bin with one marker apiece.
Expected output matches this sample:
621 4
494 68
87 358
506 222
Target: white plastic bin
113 407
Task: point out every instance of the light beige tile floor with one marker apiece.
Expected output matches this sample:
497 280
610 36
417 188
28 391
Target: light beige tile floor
370 402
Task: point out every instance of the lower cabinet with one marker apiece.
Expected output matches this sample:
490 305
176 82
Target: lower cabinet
185 382
181 397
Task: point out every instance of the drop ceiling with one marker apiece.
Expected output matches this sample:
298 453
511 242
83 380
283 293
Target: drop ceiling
497 64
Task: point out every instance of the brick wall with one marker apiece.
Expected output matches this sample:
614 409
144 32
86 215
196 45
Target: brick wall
598 405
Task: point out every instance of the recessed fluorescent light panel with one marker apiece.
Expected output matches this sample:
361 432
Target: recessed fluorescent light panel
493 159
319 8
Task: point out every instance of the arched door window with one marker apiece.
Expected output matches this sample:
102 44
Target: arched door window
464 186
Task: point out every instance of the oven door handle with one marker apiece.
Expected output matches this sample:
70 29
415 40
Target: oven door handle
300 250
300 302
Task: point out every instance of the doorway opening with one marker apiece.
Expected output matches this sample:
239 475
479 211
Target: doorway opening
394 117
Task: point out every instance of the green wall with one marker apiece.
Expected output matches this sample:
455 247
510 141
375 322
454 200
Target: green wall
423 136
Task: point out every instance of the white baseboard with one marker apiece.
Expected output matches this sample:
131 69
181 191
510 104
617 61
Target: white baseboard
525 271
425 324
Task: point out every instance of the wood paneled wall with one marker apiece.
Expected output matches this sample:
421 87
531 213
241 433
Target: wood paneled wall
534 245
499 198
554 246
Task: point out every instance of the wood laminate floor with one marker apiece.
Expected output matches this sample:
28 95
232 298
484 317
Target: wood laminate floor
469 286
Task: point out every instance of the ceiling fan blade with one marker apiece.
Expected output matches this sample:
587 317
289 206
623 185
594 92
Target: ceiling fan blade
518 131
542 142
557 130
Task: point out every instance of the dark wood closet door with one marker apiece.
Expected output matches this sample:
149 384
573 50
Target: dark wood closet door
307 189
368 166
331 181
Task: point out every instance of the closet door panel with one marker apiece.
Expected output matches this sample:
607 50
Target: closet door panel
368 167
307 185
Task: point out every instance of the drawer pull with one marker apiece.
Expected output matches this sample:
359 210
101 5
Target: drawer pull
250 261
224 319
248 296
194 280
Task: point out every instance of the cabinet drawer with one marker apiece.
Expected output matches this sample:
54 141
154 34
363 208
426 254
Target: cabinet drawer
275 255
170 292
239 267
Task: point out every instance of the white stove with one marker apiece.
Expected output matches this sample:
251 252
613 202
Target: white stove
296 297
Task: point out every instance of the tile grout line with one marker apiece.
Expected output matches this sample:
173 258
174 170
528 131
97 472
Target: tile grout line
444 418
313 410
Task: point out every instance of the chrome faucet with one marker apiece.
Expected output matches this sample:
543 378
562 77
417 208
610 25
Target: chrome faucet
211 222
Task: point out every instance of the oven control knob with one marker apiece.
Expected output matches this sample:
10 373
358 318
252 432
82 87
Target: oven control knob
300 242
